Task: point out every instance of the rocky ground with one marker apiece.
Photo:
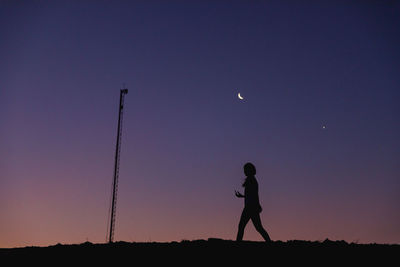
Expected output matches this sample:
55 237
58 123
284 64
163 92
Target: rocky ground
206 252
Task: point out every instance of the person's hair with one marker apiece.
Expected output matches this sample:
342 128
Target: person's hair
249 169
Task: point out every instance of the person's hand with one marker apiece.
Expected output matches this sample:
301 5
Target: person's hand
238 194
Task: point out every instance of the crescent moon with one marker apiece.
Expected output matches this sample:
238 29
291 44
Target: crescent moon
240 97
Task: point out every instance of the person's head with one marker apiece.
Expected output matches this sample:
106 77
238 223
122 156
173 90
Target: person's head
249 169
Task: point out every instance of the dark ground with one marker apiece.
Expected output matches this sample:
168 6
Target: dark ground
206 253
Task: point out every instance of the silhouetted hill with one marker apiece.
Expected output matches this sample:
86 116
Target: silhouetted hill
207 252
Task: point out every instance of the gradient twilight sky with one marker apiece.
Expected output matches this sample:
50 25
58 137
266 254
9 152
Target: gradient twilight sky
186 135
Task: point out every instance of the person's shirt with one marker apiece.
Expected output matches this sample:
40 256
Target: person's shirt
251 199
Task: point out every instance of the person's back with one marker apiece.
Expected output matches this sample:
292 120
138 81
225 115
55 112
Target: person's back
251 200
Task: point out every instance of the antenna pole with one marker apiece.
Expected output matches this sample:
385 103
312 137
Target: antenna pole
123 92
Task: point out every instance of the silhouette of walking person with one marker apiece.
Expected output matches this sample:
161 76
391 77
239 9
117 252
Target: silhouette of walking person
252 207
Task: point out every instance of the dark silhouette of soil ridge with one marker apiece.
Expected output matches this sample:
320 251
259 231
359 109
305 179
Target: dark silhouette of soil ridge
209 251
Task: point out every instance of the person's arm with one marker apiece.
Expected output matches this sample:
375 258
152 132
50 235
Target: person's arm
238 194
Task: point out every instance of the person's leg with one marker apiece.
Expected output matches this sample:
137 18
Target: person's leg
255 218
244 219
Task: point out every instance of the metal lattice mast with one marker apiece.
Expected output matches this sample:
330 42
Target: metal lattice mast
123 92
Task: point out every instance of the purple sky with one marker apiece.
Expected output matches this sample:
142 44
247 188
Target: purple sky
186 134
